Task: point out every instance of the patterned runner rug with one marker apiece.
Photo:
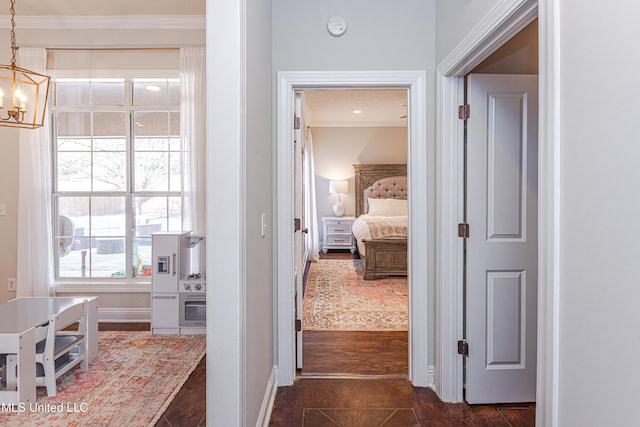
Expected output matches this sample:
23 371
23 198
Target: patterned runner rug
337 298
131 383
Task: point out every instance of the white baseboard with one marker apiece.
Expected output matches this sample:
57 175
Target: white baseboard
267 402
121 315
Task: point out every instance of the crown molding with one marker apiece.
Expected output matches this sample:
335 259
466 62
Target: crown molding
191 22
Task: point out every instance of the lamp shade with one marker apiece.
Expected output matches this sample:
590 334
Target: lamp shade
340 187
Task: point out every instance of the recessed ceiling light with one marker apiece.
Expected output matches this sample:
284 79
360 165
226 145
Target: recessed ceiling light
357 111
152 88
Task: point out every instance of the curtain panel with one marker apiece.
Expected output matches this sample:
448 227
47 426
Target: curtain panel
35 245
193 134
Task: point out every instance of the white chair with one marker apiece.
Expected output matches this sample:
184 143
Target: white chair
59 352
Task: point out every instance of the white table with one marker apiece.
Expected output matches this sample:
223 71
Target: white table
19 332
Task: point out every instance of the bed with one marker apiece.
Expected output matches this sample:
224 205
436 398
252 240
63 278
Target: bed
383 253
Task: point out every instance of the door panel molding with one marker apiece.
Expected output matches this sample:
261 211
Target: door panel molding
506 176
505 318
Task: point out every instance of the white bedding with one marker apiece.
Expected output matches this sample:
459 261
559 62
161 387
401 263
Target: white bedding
367 227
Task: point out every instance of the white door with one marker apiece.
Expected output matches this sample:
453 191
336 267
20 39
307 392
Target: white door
501 258
298 241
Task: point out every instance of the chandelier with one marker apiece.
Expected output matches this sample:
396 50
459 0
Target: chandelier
23 93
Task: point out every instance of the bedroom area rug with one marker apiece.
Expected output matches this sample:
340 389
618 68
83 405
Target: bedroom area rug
131 383
337 298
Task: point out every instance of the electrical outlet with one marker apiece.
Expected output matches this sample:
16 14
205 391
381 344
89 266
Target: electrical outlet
12 285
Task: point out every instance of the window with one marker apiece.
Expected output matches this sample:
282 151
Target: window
117 174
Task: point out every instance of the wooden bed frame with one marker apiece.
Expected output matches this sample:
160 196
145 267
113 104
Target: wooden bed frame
382 257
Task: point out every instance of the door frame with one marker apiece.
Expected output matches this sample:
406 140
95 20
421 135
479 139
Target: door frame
415 83
501 23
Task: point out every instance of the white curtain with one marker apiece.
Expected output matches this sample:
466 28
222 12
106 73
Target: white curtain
192 128
311 211
35 248
193 136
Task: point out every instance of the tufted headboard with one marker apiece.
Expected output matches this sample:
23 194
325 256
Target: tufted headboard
382 181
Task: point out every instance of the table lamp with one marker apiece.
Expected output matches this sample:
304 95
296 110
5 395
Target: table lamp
338 187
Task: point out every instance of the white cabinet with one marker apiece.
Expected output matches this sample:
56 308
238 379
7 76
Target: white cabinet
336 232
169 254
167 251
165 313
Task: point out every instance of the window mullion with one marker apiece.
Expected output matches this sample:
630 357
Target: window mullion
129 225
85 167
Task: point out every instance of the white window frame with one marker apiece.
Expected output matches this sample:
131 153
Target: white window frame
105 284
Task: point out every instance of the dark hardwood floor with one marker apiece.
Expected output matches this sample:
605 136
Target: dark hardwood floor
350 353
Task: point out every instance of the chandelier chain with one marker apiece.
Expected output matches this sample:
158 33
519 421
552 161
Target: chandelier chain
13 34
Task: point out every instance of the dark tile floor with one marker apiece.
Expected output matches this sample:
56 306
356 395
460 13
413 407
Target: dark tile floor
384 402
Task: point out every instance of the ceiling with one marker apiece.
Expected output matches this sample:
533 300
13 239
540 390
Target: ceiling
335 107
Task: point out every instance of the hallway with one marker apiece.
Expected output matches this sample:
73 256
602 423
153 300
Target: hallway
384 402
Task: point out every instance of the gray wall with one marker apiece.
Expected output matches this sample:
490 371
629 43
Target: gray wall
259 338
240 320
381 35
455 19
599 253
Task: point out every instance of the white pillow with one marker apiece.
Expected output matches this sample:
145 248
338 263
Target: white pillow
387 207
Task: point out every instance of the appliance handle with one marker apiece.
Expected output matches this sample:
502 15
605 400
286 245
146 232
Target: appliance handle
164 297
174 264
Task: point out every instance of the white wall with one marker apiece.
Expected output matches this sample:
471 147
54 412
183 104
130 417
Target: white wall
337 149
600 152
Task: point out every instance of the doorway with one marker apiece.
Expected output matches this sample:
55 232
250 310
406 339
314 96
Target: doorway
351 327
414 82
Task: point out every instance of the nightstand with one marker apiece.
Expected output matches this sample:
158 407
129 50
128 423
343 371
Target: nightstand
336 232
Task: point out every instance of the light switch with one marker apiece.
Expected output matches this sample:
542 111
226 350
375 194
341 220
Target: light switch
3 209
263 218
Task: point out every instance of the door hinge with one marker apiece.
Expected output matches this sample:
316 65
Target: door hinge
463 347
298 325
464 112
296 122
463 230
